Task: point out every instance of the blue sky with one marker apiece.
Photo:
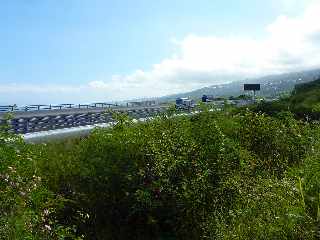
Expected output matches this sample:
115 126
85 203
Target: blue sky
97 50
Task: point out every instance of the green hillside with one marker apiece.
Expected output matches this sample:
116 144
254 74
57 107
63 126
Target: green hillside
306 96
304 102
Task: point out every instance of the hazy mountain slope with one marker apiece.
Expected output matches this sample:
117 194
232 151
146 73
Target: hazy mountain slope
271 86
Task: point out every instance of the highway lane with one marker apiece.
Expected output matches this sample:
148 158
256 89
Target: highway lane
71 111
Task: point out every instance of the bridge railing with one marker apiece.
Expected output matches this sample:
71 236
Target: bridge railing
40 107
7 108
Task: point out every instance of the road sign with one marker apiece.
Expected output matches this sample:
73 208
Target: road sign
251 87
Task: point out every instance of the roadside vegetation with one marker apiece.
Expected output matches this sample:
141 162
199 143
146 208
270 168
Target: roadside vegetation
230 174
304 102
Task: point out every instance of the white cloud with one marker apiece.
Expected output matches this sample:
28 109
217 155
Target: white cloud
292 44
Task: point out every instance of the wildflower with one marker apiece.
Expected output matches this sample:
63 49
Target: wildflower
47 227
46 212
22 193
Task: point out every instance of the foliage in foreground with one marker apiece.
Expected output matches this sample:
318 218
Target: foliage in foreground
215 175
27 206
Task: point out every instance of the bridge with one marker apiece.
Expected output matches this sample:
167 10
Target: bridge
37 118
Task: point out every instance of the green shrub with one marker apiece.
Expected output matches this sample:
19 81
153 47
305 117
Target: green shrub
277 143
266 208
213 175
27 208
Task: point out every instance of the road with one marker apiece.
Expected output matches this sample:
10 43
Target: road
71 111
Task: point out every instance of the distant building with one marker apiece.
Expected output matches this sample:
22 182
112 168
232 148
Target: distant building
206 98
184 102
210 98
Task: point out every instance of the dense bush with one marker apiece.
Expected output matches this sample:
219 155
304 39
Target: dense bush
212 175
27 207
277 143
303 102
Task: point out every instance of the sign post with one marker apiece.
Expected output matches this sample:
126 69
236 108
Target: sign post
252 87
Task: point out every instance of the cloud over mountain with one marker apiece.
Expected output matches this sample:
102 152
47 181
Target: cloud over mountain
289 44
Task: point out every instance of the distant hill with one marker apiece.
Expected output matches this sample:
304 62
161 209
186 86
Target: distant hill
271 86
304 101
306 97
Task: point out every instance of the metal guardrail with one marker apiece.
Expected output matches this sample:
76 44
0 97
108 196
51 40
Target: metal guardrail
39 107
7 108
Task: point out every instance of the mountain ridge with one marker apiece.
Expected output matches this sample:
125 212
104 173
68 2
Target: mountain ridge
271 86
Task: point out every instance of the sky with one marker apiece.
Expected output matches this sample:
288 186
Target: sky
82 51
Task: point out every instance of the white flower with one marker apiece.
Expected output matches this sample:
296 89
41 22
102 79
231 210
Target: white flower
47 227
46 212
